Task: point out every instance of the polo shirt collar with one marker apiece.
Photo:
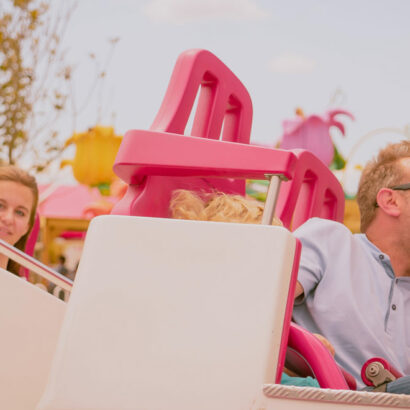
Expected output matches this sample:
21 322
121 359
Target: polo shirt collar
377 254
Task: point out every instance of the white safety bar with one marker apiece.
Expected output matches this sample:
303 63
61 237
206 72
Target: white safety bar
35 266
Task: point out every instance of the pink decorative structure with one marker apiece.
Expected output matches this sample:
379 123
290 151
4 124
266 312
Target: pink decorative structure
218 157
312 133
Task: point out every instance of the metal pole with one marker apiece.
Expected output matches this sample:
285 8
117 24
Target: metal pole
271 197
34 265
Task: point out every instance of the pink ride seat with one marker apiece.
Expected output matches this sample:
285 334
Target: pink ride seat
156 162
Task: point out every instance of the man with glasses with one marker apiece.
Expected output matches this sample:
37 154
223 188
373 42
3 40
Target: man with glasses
355 289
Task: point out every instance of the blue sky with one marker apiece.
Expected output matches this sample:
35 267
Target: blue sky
315 54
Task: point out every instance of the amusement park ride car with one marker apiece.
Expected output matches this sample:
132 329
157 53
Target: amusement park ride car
173 314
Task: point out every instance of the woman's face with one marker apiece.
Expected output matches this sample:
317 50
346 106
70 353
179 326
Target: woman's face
16 203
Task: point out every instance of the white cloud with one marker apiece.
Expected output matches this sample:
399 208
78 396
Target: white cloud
292 64
187 11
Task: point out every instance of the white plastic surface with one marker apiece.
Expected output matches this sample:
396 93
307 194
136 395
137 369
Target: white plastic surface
169 314
30 321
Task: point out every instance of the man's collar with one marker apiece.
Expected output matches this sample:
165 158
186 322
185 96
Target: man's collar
377 254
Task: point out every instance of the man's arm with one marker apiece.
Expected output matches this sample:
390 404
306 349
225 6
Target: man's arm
298 290
315 236
326 343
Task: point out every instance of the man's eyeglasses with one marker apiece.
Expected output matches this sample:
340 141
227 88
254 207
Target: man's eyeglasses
403 187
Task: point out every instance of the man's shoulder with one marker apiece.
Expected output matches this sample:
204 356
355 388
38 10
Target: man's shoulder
320 226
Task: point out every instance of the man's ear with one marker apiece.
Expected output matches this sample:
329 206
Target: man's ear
387 200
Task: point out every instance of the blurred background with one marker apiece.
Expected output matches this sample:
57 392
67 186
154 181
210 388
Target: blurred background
77 71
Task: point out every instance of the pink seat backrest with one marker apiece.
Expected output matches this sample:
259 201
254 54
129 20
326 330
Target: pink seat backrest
224 111
223 100
313 191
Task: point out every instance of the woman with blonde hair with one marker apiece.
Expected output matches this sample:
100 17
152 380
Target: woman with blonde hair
18 204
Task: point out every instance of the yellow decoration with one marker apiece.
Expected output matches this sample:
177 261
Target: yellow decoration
352 215
299 112
95 155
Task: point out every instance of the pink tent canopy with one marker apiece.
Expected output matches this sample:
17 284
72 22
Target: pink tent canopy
69 201
69 204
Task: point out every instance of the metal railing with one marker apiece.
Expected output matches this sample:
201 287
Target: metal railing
35 266
272 197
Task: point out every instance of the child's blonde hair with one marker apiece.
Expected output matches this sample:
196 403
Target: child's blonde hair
217 207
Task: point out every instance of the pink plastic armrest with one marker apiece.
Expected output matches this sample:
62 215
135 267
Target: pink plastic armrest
318 361
154 164
153 153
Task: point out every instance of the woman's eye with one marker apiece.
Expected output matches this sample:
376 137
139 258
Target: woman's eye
20 212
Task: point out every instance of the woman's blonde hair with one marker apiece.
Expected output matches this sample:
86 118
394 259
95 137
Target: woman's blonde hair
382 172
15 174
217 207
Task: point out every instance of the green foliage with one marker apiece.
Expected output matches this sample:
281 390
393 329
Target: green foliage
338 161
257 189
34 80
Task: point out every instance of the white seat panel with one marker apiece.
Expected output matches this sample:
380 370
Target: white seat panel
30 322
171 314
